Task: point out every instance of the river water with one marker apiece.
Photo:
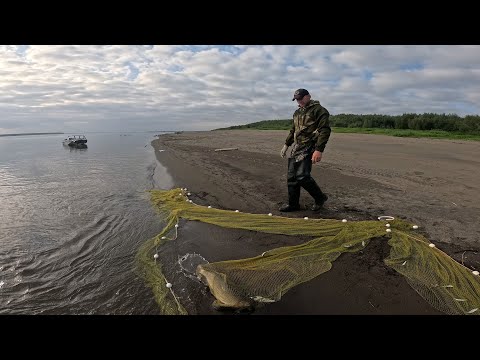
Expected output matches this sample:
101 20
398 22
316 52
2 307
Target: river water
72 220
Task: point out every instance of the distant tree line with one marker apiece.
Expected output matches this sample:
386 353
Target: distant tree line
469 124
263 125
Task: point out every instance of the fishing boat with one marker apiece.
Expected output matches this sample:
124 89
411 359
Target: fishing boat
75 141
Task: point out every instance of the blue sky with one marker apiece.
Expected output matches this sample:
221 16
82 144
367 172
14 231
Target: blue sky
140 88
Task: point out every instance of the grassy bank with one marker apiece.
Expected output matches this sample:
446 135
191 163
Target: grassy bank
409 133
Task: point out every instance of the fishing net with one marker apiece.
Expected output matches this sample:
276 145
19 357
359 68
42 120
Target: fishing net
444 283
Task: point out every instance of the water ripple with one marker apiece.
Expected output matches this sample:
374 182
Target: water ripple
71 223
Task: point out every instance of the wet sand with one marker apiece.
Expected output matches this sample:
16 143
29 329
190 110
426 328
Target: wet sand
429 182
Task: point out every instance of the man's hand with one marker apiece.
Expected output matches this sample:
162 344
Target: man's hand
283 152
316 157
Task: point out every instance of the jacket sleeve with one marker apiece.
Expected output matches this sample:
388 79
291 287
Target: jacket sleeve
289 140
323 129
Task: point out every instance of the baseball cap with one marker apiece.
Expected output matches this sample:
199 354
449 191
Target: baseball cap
299 94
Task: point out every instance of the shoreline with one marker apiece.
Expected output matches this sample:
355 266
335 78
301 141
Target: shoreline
253 179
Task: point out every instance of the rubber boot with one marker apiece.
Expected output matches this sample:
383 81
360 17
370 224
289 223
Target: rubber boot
315 192
293 199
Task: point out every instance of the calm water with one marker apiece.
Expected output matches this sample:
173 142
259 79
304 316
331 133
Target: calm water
71 221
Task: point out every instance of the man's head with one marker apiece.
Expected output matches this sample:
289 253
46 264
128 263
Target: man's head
302 96
299 94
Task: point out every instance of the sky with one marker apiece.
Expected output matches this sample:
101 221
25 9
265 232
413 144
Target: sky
126 88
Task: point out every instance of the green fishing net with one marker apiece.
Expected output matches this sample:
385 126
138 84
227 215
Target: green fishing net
444 283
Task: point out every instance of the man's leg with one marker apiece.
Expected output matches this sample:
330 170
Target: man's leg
293 188
304 178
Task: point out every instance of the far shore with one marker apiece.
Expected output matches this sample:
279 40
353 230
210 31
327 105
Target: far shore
23 134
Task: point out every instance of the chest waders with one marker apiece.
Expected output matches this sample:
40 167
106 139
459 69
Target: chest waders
298 176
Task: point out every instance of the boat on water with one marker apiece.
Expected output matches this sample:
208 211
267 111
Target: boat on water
78 141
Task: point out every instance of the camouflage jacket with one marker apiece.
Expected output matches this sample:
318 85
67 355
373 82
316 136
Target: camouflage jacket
310 130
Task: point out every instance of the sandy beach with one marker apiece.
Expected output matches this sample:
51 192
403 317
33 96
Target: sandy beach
429 182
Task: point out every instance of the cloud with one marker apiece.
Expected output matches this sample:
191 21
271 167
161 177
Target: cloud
134 88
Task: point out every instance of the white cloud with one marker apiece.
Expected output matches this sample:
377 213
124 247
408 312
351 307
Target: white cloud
121 88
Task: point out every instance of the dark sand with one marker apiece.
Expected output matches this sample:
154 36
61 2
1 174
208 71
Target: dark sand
432 183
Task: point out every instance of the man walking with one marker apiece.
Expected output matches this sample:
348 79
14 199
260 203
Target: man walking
309 135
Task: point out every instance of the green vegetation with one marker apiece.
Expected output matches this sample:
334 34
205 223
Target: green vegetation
444 126
263 125
409 133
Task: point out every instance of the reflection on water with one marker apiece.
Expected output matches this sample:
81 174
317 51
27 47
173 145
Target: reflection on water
72 221
76 148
